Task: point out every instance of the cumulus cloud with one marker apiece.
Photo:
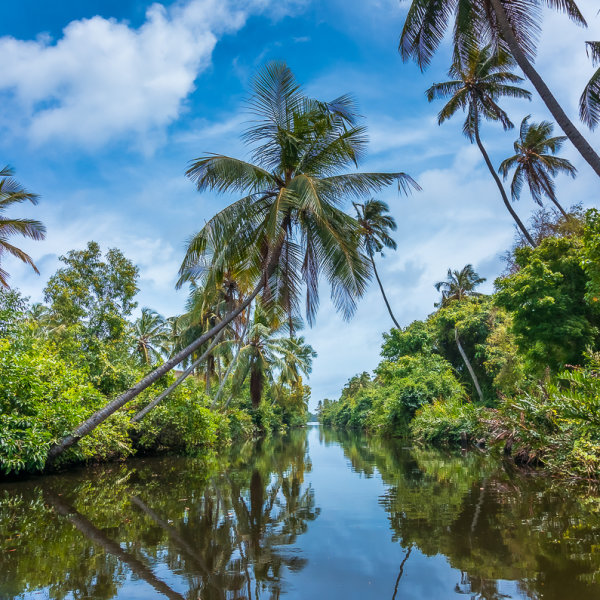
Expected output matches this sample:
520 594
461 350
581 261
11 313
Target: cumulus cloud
104 79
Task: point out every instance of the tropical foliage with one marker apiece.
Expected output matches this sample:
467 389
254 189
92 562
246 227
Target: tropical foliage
480 78
535 162
521 376
11 192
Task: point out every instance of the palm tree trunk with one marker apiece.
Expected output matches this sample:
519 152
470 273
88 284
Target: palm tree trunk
401 571
580 143
505 199
256 387
230 367
99 538
382 292
558 205
101 415
142 413
180 542
467 362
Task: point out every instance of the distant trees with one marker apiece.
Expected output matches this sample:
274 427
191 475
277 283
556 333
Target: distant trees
481 78
152 336
509 26
459 285
94 291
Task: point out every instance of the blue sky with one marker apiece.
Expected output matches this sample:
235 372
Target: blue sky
104 102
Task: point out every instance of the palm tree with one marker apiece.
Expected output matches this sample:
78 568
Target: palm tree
459 285
535 163
268 352
287 229
375 225
152 336
589 104
508 24
11 193
481 77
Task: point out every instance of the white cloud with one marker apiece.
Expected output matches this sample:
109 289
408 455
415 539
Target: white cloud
104 79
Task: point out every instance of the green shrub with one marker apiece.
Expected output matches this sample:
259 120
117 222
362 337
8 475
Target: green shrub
445 422
409 383
42 398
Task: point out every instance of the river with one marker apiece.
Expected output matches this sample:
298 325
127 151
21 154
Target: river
314 514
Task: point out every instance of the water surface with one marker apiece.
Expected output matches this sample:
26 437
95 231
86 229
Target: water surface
314 514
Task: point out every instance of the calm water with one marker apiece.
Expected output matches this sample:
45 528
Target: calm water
313 515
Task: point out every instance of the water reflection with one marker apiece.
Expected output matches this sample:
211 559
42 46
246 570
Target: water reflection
493 525
179 526
395 522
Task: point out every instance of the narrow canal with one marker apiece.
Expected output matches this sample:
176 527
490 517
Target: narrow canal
314 514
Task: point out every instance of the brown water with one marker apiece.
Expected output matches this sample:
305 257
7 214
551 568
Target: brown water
312 515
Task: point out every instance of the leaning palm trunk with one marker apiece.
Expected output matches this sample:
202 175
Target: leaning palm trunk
580 143
382 292
142 413
99 538
182 544
101 415
505 199
558 205
468 363
229 368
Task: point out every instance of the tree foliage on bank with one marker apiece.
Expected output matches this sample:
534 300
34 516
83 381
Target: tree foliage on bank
60 361
532 345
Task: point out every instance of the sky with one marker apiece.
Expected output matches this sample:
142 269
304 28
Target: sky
105 102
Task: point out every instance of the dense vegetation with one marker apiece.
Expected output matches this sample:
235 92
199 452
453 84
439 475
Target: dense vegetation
60 361
529 348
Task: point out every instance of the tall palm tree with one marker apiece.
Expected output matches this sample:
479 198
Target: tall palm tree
459 285
480 78
535 163
11 192
152 336
509 24
589 103
375 225
287 229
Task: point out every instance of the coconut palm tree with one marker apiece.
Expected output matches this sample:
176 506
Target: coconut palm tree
534 162
459 285
152 336
288 227
268 352
375 225
589 103
11 193
512 25
480 78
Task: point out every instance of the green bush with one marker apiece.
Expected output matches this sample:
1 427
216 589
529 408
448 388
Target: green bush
42 398
446 422
409 383
558 424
